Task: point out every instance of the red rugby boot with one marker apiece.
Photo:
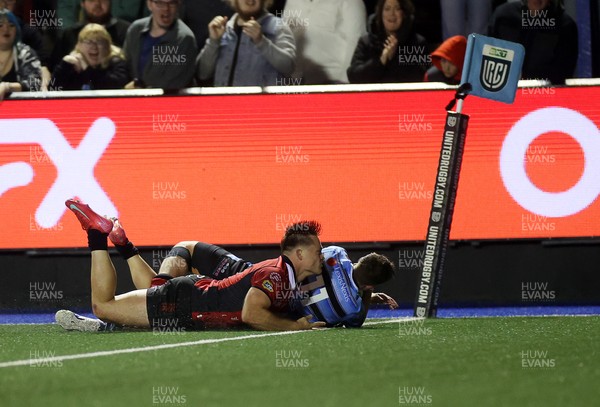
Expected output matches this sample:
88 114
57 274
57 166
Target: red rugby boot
88 218
117 235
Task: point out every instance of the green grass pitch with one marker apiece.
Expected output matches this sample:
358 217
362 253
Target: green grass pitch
513 361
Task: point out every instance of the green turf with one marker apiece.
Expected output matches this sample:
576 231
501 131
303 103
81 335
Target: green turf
447 362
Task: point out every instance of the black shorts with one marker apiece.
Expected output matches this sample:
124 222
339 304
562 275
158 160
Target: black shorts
170 305
191 303
215 262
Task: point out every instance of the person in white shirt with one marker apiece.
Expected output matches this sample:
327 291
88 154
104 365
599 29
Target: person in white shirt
326 33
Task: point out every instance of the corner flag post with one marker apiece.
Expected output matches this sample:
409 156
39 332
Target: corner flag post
491 70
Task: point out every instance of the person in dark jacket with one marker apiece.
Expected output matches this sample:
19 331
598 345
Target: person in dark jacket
20 68
29 35
448 60
548 34
391 51
161 49
97 12
95 63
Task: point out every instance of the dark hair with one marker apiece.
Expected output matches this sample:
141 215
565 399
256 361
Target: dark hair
374 269
6 14
300 234
266 3
552 3
406 5
554 6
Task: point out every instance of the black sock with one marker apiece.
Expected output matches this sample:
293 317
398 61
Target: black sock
97 240
127 250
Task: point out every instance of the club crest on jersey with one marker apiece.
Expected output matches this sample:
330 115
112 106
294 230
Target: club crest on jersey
267 285
275 277
331 262
495 67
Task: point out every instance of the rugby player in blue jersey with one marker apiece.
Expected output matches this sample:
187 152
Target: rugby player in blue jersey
341 295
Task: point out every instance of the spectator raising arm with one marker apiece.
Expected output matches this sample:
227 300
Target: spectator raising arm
207 59
391 51
280 52
252 48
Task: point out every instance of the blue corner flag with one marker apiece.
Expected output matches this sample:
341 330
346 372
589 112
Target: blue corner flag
493 67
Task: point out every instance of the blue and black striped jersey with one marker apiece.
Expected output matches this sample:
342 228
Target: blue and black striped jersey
333 296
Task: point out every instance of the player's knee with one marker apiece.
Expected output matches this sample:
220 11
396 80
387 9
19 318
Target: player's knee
178 262
187 244
101 311
174 267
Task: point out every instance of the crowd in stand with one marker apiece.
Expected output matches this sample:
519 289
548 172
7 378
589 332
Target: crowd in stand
173 44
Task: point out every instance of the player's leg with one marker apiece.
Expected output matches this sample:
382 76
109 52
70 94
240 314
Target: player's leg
179 260
127 309
215 262
141 272
176 264
200 258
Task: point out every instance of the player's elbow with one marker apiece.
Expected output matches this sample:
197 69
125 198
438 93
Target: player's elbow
255 311
255 318
249 316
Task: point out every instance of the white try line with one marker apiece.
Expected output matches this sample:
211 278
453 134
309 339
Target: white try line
390 321
40 361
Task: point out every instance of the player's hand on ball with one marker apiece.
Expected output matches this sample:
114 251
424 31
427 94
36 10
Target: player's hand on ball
305 324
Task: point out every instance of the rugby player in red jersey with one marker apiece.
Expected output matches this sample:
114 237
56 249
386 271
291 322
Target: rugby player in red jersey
264 296
341 295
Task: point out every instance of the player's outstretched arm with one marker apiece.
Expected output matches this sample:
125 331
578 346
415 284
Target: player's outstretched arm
366 298
383 298
256 313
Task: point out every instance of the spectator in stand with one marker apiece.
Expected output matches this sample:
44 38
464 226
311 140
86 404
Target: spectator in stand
20 68
448 61
464 17
253 48
95 63
50 27
198 14
326 33
160 50
130 10
391 51
548 34
29 35
97 12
